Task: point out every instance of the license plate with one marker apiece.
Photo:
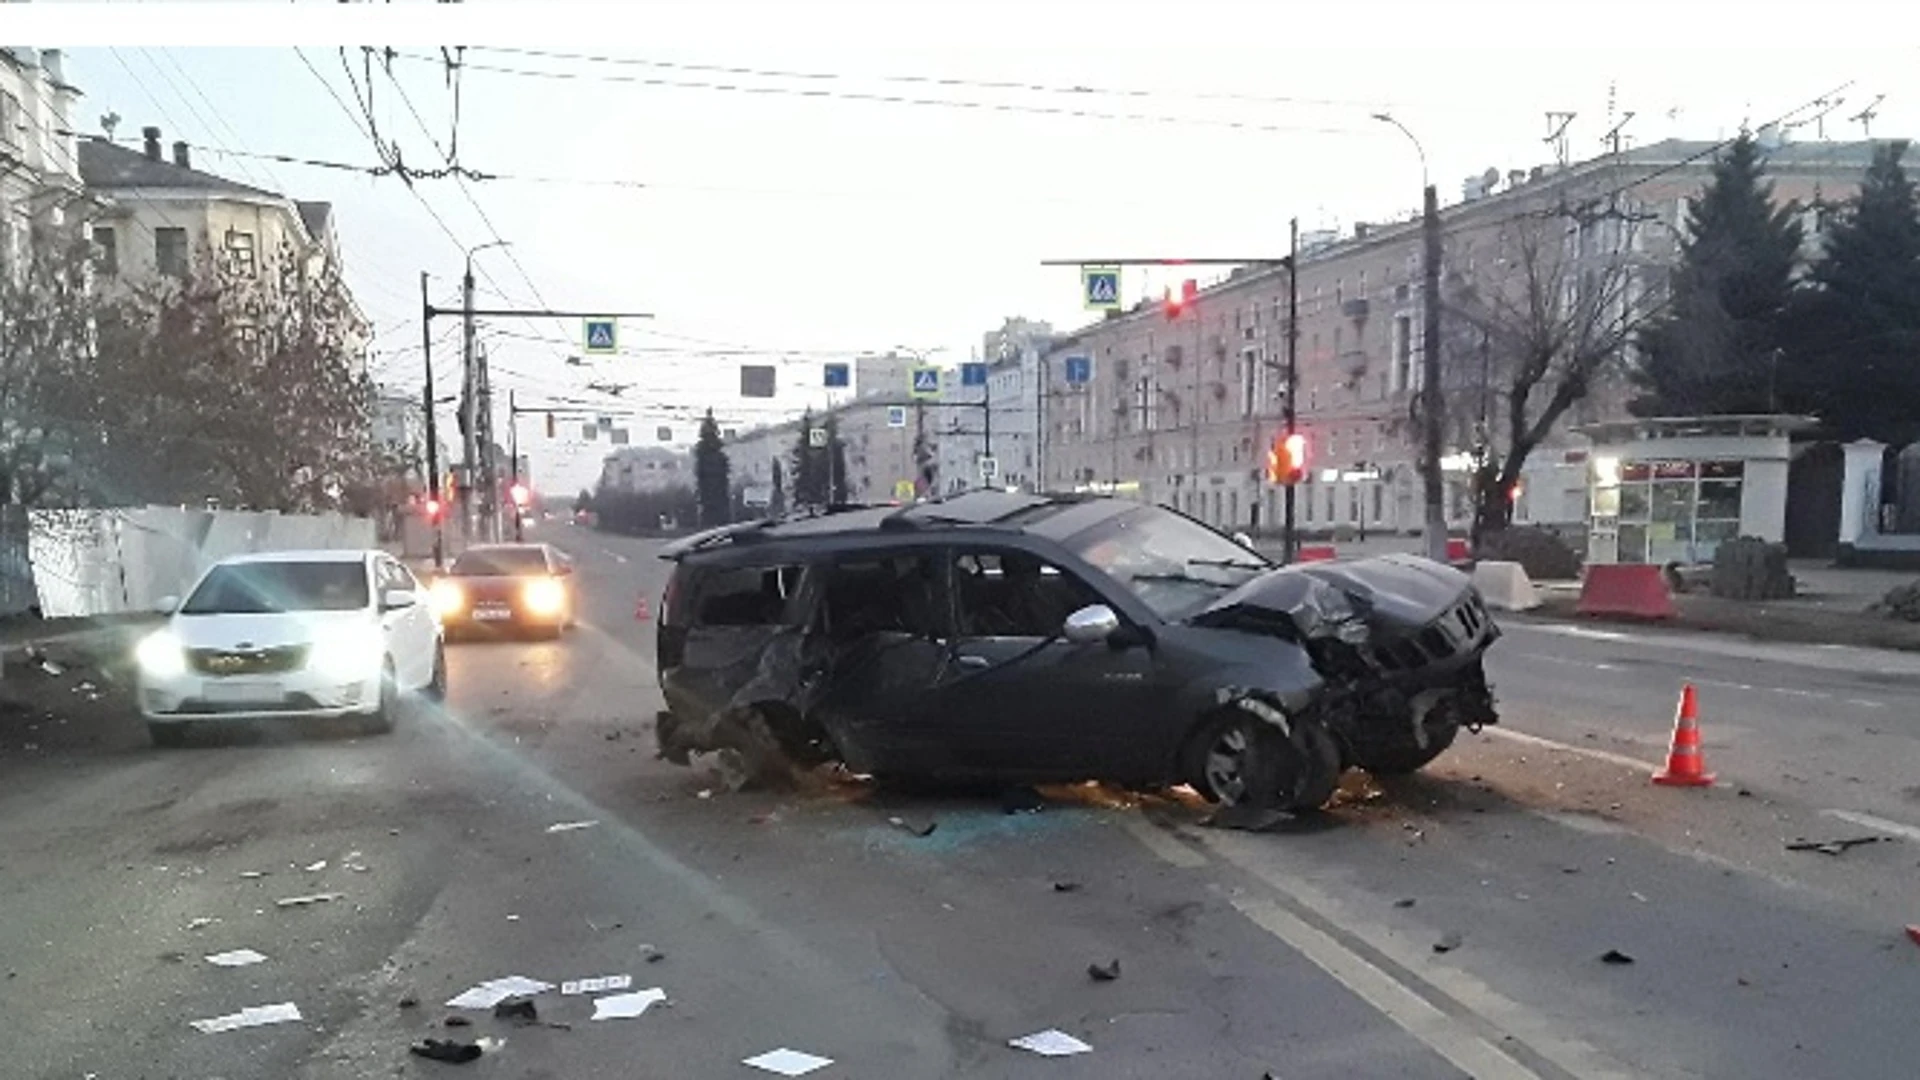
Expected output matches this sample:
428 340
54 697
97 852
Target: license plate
242 691
492 614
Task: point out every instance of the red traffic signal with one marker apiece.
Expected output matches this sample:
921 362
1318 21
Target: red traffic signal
1175 306
1287 459
433 509
520 494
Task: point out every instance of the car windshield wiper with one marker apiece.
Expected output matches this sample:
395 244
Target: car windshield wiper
1187 578
1230 564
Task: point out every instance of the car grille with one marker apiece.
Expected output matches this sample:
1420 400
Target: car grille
248 661
1457 629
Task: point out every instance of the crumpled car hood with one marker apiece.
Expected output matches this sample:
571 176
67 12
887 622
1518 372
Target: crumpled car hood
1399 590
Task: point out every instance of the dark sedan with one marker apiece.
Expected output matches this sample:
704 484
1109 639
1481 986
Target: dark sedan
524 588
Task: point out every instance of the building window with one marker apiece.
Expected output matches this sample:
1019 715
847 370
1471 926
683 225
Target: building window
106 253
170 251
1402 352
240 254
10 122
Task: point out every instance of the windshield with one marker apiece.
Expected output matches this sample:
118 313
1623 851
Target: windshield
1175 565
501 562
262 588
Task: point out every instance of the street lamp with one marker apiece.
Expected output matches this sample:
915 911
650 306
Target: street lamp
1387 118
474 449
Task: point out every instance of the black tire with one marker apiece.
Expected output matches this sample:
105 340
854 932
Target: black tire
167 734
380 721
1404 757
436 688
1241 758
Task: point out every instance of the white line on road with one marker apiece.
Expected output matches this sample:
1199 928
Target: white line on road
1868 821
1584 751
1814 695
1164 843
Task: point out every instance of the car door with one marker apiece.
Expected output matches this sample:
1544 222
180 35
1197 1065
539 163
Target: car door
1030 702
411 632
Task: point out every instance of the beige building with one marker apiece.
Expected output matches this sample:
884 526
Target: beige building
879 454
1180 411
39 172
645 468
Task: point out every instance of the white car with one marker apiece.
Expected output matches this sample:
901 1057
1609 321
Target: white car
292 633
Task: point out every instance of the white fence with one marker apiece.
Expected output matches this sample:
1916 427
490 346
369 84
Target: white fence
104 562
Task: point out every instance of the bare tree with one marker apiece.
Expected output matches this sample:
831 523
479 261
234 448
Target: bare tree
46 338
1533 331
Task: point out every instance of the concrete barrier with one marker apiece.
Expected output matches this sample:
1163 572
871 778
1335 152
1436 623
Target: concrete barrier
1315 553
1505 586
1635 590
1457 550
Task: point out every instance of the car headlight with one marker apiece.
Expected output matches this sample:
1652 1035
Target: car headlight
448 597
544 596
346 653
160 655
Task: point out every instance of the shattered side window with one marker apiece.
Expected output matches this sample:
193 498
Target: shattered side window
884 594
750 596
1013 594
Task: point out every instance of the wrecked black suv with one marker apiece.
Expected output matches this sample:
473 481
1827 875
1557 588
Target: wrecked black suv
1025 638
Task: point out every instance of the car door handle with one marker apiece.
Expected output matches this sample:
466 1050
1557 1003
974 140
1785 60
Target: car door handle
968 660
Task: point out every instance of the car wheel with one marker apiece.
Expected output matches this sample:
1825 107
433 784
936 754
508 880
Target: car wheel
380 721
436 688
1400 757
164 733
1240 758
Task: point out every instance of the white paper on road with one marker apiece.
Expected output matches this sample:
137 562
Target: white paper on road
306 901
236 958
494 991
255 1016
570 826
1051 1043
596 985
788 1062
627 1006
316 867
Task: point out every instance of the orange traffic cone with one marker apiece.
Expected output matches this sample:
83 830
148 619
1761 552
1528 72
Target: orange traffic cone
640 612
1686 766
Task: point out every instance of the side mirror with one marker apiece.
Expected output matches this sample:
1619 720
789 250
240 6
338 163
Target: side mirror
167 605
395 599
1095 622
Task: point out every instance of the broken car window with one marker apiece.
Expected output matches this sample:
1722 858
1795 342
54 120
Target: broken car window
749 596
1175 565
1013 594
884 594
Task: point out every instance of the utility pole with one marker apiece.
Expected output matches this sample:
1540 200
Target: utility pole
469 400
1289 539
1433 417
513 449
489 479
433 433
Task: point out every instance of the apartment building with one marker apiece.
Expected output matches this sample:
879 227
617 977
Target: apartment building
1179 411
39 172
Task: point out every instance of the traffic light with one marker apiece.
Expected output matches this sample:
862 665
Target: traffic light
1287 459
520 494
433 510
552 428
1177 306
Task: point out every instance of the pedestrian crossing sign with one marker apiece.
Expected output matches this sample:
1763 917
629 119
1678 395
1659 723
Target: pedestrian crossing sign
924 382
896 416
903 490
1100 285
600 337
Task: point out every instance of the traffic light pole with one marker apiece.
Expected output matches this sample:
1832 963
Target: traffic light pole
513 451
433 434
1289 538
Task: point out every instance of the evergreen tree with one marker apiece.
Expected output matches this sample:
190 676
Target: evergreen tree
837 463
810 467
1717 347
777 500
710 473
1853 356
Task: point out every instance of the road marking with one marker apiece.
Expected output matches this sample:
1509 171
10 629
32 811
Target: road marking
1584 751
1417 1016
1164 843
1815 695
1865 704
1868 821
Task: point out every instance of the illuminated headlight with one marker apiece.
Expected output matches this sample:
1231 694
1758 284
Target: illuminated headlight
346 653
544 596
448 597
160 655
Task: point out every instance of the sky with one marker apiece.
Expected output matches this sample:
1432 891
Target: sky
814 180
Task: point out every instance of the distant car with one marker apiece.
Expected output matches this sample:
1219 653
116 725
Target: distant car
524 588
293 633
1028 638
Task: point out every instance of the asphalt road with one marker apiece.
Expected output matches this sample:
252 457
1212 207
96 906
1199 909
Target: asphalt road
808 921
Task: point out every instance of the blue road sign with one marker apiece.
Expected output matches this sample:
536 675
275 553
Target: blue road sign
924 382
896 416
1100 286
837 376
973 374
602 336
1079 370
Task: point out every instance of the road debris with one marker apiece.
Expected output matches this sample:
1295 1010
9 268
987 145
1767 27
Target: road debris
201 923
1913 933
1106 973
571 826
236 958
409 1002
456 1053
52 668
787 1062
494 991
1448 942
310 900
1834 847
1066 886
914 827
254 1016
1022 800
1615 956
458 1021
521 1009
596 985
652 954
628 1006
252 875
1050 1043
1404 902
315 867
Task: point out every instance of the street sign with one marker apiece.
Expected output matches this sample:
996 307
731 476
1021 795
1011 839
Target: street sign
756 380
924 382
1079 370
836 376
663 434
817 437
896 416
1100 287
601 337
618 436
973 374
757 495
903 490
589 432
989 468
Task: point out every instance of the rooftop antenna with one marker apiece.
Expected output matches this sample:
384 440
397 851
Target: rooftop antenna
1819 119
1865 116
1614 140
108 123
1557 124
